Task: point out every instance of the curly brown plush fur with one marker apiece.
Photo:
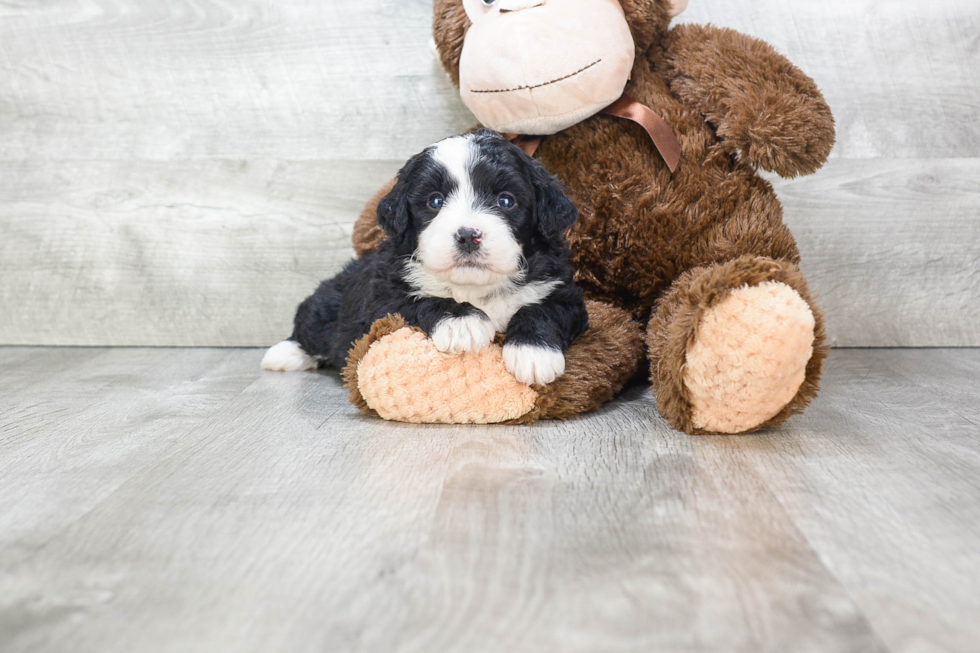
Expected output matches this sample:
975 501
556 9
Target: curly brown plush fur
666 246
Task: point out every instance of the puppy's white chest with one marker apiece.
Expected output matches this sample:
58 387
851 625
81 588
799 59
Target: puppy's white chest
499 304
500 307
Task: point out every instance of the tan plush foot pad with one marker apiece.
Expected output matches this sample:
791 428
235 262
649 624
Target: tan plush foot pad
696 326
397 373
749 357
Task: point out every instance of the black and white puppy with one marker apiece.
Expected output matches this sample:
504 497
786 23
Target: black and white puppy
473 246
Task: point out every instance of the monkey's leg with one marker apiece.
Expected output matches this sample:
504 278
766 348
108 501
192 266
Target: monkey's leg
736 347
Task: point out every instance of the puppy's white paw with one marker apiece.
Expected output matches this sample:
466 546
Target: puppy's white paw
287 356
458 334
531 364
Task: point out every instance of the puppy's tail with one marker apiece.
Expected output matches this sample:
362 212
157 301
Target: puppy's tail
287 356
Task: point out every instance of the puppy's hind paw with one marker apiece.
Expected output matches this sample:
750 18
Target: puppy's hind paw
287 356
531 364
454 335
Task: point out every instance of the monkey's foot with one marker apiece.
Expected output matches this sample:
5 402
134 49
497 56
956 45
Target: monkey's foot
736 347
749 357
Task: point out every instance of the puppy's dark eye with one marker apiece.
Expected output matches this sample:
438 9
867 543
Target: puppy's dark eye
506 201
489 3
436 201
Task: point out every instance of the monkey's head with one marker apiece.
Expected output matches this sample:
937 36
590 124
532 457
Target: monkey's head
540 66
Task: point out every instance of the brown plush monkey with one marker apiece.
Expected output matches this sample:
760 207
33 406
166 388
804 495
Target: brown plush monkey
692 270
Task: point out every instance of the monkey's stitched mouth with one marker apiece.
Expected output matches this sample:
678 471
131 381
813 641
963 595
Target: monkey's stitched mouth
554 81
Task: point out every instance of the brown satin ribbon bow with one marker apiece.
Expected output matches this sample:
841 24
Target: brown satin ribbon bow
625 107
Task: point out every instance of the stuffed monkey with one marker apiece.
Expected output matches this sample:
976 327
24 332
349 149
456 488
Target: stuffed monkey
690 270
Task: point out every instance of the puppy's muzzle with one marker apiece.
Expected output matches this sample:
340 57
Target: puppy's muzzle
468 240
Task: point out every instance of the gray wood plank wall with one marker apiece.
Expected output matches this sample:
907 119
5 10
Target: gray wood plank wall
182 172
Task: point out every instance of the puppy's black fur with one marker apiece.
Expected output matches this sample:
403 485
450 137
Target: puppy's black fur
343 308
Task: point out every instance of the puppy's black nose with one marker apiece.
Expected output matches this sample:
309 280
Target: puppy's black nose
468 239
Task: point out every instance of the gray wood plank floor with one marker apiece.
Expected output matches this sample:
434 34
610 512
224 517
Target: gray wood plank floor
182 500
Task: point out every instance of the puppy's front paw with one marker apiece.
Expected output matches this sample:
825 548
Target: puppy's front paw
532 364
458 334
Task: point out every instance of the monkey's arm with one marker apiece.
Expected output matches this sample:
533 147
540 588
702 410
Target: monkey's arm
760 104
367 233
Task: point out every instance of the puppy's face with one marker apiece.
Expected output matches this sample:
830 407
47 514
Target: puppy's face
470 207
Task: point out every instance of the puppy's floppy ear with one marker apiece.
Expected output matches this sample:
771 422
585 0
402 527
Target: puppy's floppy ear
393 215
554 211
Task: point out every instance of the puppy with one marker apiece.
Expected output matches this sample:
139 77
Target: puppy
473 246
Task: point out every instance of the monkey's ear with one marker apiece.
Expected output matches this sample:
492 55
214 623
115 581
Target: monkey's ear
554 211
649 20
677 7
393 212
449 25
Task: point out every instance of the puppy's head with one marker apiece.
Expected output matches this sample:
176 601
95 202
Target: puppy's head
471 209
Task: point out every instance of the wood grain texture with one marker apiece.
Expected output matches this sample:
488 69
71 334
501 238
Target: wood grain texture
191 502
184 172
72 438
152 253
887 490
249 79
890 267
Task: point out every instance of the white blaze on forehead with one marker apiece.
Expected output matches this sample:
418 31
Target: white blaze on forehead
458 155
